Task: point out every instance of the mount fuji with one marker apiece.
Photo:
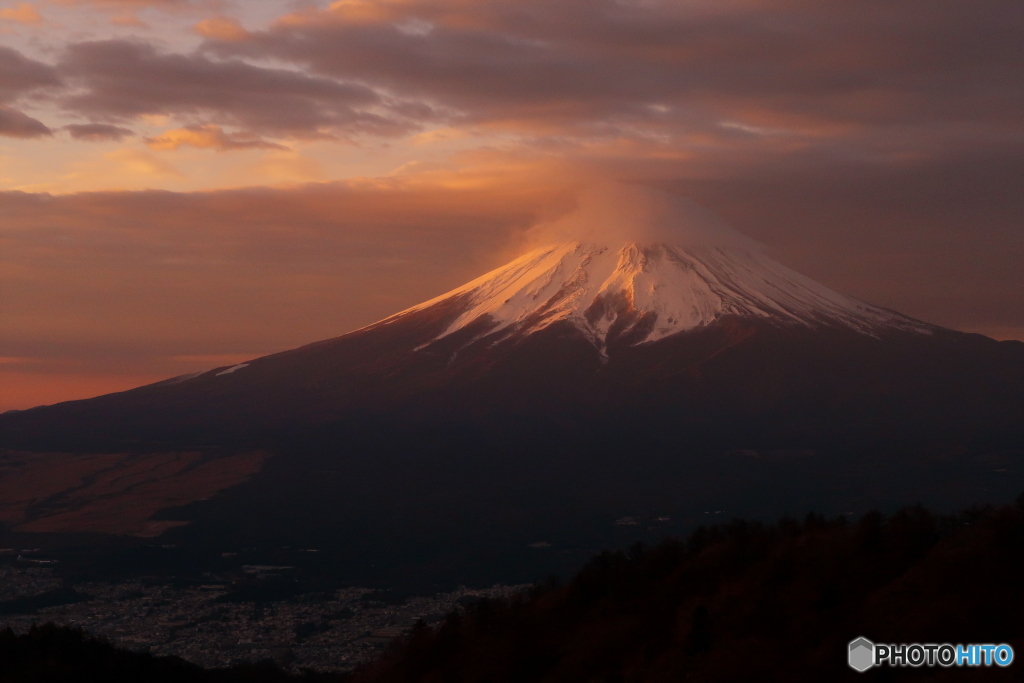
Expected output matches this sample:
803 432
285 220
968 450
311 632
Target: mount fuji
597 325
687 271
636 294
655 362
581 325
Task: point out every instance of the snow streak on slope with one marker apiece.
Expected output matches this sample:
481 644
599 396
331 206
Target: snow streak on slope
649 292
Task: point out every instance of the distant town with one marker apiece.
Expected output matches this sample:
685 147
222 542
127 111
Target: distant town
206 625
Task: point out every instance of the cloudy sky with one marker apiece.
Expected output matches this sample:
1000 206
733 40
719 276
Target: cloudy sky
189 183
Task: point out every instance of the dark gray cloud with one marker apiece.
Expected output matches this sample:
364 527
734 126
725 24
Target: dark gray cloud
120 80
209 136
879 76
20 75
16 124
97 132
812 64
938 238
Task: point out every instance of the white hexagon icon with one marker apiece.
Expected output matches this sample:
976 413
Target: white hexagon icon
862 654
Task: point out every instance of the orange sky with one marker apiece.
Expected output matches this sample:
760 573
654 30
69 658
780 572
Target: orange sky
186 183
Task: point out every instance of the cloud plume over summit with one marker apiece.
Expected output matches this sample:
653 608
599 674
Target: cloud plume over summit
615 213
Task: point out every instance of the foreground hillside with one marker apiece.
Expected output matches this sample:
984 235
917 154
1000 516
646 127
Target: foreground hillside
747 602
737 602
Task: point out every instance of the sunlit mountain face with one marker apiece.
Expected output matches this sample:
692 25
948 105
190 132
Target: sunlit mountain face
661 370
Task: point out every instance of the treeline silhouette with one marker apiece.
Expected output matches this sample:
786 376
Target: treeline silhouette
746 602
743 601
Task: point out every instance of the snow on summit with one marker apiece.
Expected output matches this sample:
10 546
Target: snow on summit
650 264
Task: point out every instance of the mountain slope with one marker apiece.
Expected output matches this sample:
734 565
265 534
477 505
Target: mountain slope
585 382
708 329
648 292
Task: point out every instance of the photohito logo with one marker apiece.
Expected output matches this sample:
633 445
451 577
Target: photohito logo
863 654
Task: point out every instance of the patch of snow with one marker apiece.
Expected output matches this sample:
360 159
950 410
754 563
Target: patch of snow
233 368
182 378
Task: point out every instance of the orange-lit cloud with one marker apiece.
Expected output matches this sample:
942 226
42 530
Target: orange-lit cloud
142 163
126 79
867 80
355 12
439 135
130 20
370 11
286 166
221 28
208 137
22 13
126 4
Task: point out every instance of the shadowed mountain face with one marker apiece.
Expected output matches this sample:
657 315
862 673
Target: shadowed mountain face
510 426
735 372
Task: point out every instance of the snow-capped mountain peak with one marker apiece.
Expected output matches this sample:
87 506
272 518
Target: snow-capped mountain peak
652 291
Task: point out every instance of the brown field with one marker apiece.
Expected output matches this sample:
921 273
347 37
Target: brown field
113 493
